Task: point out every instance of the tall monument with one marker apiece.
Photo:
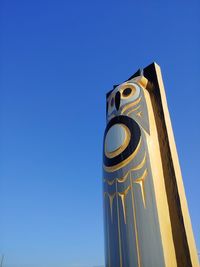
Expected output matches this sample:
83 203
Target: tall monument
147 223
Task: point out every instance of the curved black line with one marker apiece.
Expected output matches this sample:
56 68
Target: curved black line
134 141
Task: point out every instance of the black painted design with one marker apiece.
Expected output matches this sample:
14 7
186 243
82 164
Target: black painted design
117 100
112 102
134 141
127 91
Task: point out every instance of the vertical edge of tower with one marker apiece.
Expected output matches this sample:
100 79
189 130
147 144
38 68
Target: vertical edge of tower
184 243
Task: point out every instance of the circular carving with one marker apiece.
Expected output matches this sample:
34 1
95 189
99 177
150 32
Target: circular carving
117 139
127 90
121 159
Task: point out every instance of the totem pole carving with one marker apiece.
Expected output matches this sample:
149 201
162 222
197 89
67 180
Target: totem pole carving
145 211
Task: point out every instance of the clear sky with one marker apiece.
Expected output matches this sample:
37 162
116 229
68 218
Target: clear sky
58 60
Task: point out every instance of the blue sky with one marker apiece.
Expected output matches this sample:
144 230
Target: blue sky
58 59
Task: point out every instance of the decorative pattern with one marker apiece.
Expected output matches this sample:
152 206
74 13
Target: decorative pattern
141 182
123 178
128 189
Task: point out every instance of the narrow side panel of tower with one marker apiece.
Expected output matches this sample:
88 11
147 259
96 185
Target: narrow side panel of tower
184 243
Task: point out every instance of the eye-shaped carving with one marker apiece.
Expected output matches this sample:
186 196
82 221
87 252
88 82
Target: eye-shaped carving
112 102
128 91
110 105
